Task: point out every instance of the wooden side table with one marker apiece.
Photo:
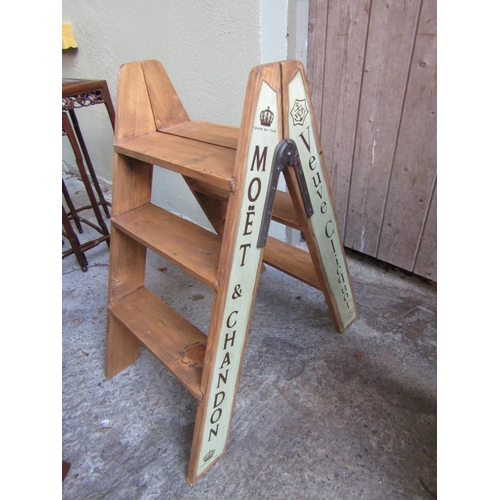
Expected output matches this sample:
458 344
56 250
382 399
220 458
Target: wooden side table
76 94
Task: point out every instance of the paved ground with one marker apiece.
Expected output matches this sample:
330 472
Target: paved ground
318 415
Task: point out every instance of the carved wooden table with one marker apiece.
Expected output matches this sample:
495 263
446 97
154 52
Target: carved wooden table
77 93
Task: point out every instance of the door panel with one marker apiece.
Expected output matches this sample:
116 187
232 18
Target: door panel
373 82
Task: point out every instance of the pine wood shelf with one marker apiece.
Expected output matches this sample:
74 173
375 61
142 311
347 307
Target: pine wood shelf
291 260
197 251
195 159
187 245
167 334
283 209
207 132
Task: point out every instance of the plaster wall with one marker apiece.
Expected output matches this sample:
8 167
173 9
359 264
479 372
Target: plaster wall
206 47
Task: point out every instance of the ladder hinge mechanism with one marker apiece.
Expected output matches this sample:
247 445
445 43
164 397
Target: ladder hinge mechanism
286 153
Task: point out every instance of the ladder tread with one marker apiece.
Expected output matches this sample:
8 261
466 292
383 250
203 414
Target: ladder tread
195 159
283 209
207 132
291 260
175 341
187 245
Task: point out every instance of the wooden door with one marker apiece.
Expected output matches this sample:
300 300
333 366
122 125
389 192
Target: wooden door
372 73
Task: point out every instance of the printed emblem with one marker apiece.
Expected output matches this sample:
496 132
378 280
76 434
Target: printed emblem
208 456
266 117
299 112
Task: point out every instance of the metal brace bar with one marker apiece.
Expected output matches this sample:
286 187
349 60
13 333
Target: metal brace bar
286 153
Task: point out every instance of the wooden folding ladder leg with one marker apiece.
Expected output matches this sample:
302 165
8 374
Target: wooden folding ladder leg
321 229
132 183
241 261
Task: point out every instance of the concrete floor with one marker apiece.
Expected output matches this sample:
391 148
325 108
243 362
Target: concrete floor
318 415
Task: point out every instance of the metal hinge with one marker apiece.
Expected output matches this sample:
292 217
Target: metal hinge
286 153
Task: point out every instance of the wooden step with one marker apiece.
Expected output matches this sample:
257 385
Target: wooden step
194 159
284 212
291 260
211 133
176 342
192 248
283 209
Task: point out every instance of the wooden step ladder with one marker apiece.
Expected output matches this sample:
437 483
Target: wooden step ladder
230 172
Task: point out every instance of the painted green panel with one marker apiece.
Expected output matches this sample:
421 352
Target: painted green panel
323 222
243 279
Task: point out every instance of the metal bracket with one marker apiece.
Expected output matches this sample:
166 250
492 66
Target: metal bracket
286 153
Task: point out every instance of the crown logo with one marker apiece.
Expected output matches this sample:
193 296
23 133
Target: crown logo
266 117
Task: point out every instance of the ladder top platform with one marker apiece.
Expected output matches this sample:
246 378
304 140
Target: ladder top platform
202 150
211 133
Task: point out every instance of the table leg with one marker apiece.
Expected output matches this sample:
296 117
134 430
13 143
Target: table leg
106 97
90 166
73 241
72 209
81 167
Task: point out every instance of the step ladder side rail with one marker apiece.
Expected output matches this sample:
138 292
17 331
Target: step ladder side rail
132 182
239 270
166 105
320 230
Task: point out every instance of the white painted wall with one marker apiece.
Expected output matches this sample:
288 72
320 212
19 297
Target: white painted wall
207 48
